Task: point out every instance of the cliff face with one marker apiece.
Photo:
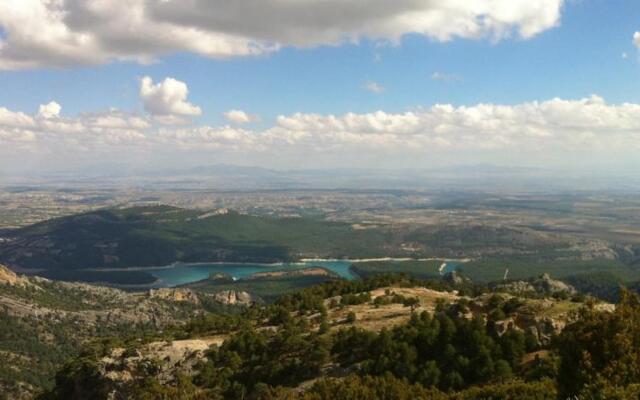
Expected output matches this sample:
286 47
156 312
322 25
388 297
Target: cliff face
233 297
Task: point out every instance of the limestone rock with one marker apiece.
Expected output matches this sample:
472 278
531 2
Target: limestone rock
185 295
233 297
545 284
517 287
9 277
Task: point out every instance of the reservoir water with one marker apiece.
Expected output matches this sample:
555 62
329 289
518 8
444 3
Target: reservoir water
180 274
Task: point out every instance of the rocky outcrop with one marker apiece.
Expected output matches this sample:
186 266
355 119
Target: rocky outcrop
542 328
517 287
544 284
165 359
11 278
180 295
64 315
92 305
233 297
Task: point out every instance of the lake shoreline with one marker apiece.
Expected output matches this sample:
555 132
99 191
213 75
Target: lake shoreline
177 273
302 261
381 259
189 264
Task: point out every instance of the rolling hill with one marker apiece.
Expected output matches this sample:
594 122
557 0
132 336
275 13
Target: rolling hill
161 235
115 245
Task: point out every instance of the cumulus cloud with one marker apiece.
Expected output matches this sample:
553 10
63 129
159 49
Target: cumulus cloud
49 110
239 117
587 129
49 133
12 119
167 100
373 87
43 33
636 39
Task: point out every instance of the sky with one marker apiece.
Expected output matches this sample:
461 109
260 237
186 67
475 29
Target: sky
319 84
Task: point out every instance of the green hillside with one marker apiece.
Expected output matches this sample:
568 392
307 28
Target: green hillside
160 235
98 246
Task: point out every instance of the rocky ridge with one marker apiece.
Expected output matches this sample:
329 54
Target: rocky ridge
543 285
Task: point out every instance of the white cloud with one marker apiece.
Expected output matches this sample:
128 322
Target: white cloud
49 110
587 129
373 87
445 77
12 119
636 39
239 117
167 100
44 33
47 134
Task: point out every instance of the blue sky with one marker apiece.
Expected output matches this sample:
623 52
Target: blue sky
579 55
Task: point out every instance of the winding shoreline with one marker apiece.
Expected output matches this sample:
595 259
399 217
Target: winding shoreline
177 264
400 259
301 261
308 262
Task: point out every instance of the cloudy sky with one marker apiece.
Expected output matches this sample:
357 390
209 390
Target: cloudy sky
319 83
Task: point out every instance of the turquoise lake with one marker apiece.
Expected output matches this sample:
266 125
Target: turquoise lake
181 274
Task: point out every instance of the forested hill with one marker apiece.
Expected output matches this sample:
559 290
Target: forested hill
98 246
387 338
160 235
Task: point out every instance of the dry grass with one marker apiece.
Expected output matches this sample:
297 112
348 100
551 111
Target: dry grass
374 318
552 309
